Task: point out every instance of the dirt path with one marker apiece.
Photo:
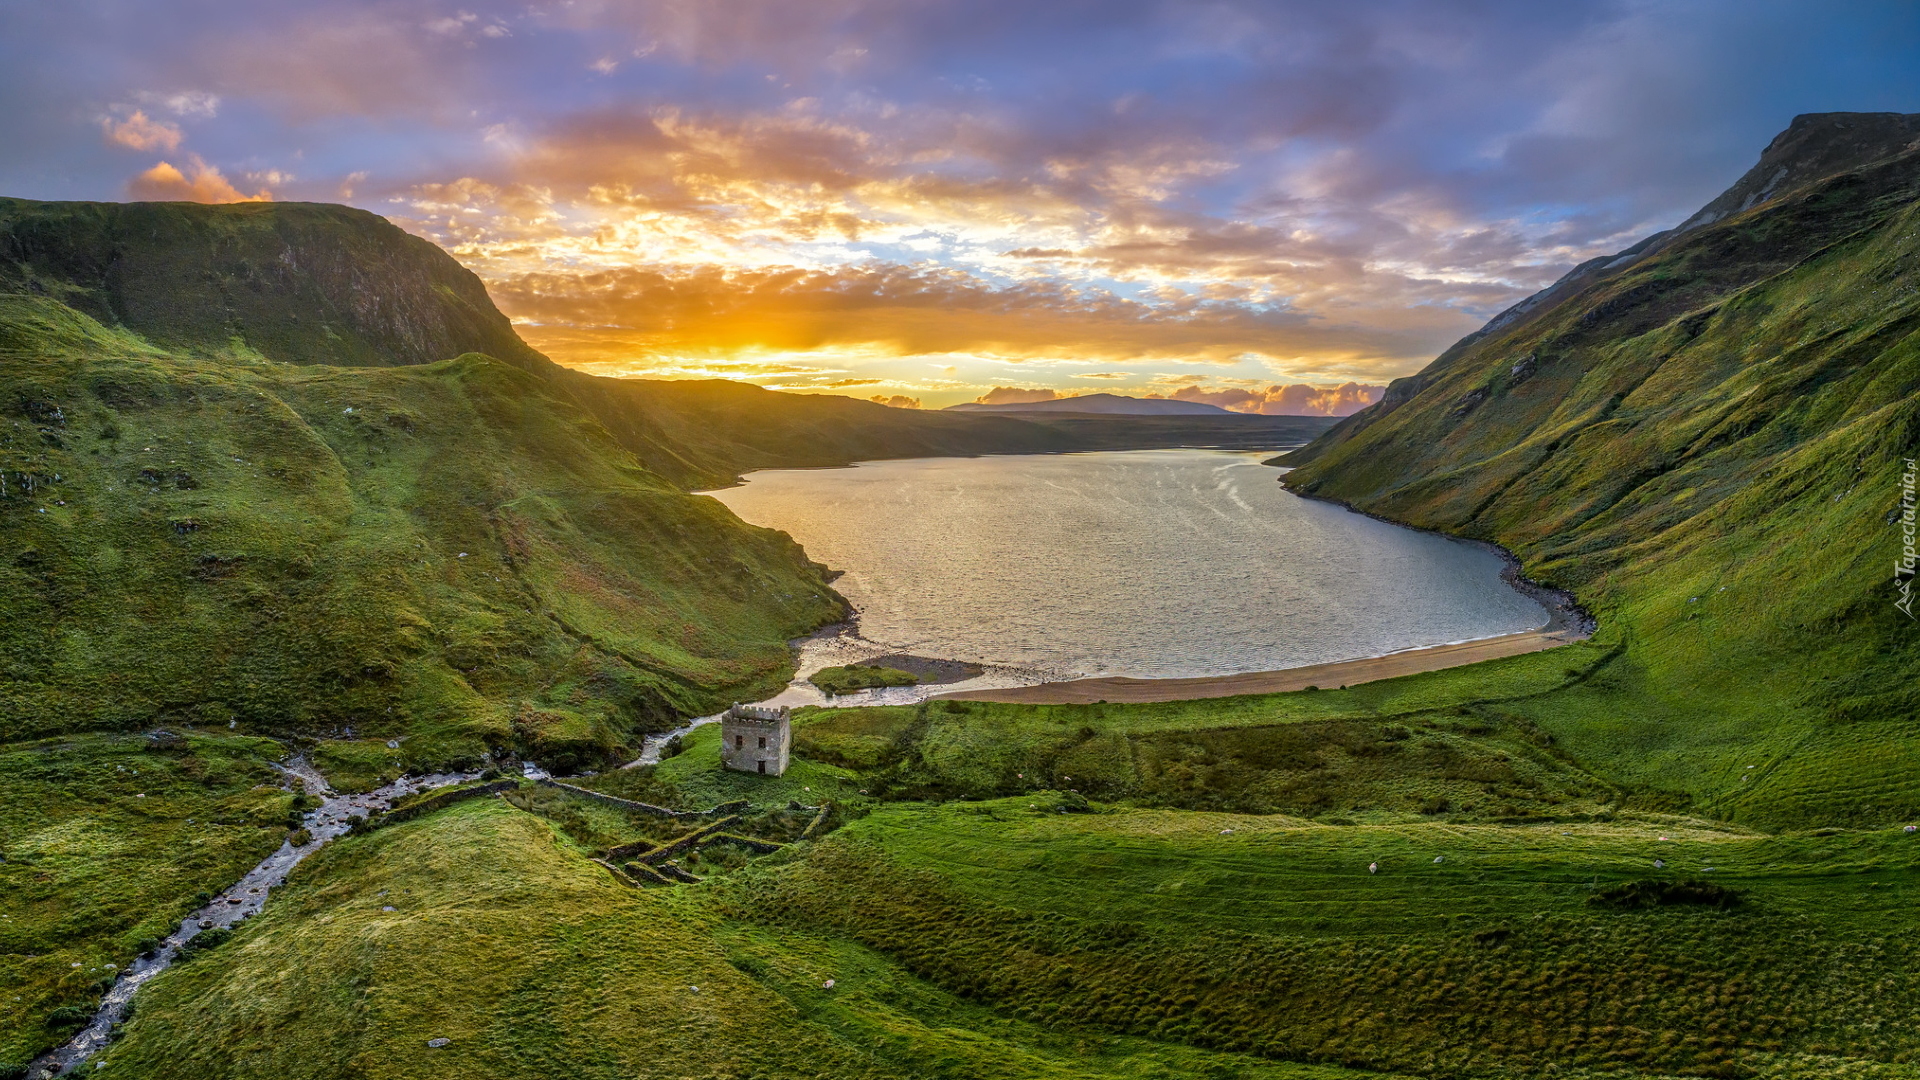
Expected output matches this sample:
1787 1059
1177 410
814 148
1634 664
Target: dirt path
1325 676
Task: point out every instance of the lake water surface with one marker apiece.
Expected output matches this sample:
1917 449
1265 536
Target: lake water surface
1154 564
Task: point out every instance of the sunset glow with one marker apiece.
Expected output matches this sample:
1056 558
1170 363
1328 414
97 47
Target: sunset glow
1248 203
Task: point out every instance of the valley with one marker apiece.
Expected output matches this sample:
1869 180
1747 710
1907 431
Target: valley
281 483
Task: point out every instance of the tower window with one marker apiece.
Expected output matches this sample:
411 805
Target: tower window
739 742
763 742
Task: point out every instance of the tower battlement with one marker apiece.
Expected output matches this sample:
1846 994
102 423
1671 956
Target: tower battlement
756 738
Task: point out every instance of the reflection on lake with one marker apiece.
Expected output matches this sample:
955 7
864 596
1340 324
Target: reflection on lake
1154 564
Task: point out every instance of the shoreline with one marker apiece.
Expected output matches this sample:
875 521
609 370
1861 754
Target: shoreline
1563 608
741 479
1567 622
1120 689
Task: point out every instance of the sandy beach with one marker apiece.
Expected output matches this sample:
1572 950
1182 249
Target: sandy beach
1325 676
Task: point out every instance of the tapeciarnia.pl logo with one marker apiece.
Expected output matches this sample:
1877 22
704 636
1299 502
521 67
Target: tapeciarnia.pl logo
1903 566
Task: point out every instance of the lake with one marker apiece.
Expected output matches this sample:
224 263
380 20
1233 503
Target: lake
1153 564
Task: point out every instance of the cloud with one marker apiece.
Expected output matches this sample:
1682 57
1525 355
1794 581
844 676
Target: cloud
183 102
1283 192
201 183
1298 399
896 401
137 132
899 310
854 382
1013 395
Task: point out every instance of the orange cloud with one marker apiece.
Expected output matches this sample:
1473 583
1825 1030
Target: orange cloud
166 183
1014 395
897 401
632 315
1298 399
137 132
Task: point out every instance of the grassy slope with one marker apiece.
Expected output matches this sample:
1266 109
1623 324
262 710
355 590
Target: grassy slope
1705 445
282 547
1270 934
104 841
562 972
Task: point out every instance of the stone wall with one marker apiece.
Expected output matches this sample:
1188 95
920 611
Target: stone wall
443 800
627 804
758 847
692 839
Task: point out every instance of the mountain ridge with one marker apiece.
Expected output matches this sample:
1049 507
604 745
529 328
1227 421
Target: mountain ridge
1697 443
1110 404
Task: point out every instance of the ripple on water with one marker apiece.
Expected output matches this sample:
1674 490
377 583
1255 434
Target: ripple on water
1151 564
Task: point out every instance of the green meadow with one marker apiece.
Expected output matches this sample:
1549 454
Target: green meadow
488 927
105 844
1045 934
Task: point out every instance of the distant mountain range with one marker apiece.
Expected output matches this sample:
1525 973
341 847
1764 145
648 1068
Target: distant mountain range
1107 404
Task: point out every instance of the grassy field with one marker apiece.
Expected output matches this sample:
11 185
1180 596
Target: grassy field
560 971
104 844
1439 744
1025 938
1473 950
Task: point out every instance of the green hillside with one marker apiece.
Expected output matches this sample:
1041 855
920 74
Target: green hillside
447 552
1705 443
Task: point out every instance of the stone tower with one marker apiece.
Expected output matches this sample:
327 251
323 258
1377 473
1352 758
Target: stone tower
755 739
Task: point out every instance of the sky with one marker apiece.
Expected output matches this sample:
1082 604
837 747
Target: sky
1273 206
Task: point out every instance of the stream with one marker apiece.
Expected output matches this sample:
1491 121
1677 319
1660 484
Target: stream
838 645
240 901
